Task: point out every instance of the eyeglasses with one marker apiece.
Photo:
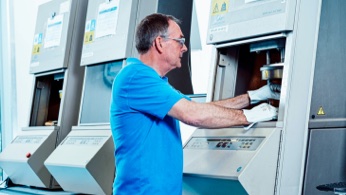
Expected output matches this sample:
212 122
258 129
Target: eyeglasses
179 40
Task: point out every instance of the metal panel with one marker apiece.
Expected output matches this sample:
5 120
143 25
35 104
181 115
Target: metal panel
115 43
326 155
53 34
84 161
23 159
242 167
295 98
326 160
328 101
302 81
119 43
232 20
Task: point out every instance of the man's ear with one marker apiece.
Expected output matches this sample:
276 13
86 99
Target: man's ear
158 44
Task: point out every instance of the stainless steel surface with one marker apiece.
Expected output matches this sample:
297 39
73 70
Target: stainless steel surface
326 160
326 157
328 98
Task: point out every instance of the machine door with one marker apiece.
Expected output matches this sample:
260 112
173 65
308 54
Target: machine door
326 160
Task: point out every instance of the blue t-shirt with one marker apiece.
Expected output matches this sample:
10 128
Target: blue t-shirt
148 148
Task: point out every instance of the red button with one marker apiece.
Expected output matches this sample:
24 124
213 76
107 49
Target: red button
28 155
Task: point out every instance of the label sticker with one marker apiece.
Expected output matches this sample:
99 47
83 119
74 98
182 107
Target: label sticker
320 111
218 29
107 19
37 44
53 31
88 37
219 7
89 33
36 49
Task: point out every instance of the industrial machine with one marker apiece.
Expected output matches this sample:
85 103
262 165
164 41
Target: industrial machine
56 93
297 44
84 161
326 156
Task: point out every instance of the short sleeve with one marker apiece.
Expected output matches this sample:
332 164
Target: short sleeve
151 94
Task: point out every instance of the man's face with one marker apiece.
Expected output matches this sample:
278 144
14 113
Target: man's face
174 46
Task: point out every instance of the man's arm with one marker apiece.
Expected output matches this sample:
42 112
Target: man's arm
225 113
237 102
207 115
269 91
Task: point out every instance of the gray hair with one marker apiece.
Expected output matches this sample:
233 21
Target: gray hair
149 28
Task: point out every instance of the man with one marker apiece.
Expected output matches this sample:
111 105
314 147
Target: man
145 111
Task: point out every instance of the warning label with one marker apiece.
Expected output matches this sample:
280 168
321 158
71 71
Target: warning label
89 37
320 111
219 7
36 49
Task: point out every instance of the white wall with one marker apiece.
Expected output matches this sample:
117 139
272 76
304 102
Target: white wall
24 14
200 59
7 73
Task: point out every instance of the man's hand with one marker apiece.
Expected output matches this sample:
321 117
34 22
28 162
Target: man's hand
262 112
269 91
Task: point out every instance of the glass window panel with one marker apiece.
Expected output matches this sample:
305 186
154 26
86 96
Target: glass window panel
97 92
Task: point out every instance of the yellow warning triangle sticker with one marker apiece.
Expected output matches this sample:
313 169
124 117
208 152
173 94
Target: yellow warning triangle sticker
216 9
320 111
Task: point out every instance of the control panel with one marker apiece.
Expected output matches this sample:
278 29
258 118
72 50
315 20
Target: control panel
224 143
85 140
29 139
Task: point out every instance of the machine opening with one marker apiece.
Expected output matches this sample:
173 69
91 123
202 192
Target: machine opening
46 100
248 67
